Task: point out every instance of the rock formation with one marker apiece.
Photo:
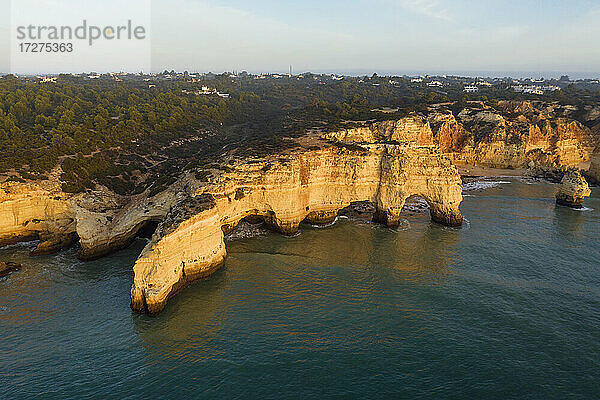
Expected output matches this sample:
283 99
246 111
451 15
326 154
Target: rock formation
36 211
8 267
573 189
310 184
413 129
511 136
384 163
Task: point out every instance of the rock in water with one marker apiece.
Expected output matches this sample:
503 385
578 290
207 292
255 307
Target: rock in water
8 267
573 189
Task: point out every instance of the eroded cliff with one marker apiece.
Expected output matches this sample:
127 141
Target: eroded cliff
309 184
31 211
512 135
321 173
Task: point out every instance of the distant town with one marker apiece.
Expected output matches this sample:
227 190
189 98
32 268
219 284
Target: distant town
439 83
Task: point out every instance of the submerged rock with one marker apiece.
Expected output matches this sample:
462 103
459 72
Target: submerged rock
8 267
573 189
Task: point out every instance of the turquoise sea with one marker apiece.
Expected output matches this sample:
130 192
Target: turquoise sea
506 307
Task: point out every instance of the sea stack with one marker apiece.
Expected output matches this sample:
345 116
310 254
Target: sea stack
573 189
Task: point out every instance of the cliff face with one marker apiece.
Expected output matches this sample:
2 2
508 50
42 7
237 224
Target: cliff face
511 137
384 163
36 211
414 129
107 223
102 221
308 184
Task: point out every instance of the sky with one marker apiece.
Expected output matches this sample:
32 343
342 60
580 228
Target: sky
468 37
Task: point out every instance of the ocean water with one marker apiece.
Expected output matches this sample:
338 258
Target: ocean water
506 307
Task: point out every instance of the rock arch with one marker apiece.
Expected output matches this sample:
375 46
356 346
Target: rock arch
311 185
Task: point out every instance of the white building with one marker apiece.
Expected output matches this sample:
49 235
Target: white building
471 89
47 79
533 90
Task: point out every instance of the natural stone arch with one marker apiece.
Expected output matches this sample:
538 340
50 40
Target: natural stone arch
305 186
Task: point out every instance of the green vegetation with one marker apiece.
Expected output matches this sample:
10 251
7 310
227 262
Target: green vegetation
131 135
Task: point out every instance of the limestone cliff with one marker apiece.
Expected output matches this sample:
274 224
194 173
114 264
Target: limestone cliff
108 223
511 136
309 184
102 221
31 211
384 163
414 129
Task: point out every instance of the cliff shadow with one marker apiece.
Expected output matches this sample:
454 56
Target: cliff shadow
191 320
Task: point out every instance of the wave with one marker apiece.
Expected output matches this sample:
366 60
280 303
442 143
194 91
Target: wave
326 225
483 185
21 245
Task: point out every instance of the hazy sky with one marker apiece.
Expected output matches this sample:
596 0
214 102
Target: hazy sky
363 36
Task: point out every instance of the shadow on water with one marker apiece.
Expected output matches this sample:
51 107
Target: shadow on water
569 223
346 263
187 325
48 286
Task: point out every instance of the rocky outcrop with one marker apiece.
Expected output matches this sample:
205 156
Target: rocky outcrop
573 189
31 211
108 223
310 184
413 129
511 136
8 267
101 221
384 163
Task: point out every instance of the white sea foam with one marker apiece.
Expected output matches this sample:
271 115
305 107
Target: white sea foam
483 184
21 245
325 225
